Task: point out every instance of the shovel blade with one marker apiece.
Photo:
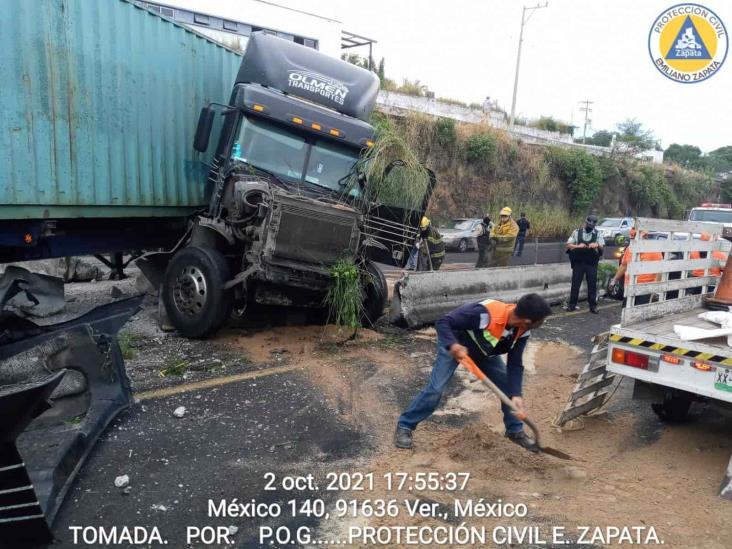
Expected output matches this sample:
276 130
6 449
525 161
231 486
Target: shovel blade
556 453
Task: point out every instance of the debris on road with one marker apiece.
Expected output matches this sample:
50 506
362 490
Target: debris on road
180 411
122 481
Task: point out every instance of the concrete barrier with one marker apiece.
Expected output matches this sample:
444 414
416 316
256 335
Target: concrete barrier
421 298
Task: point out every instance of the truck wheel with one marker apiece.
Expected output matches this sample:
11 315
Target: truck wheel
376 293
193 291
463 246
675 406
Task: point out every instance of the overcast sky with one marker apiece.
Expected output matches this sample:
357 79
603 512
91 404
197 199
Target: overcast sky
573 50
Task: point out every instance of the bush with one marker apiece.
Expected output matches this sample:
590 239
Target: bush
580 171
551 125
445 133
481 148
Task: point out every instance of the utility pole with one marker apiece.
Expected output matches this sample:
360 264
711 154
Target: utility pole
587 110
524 20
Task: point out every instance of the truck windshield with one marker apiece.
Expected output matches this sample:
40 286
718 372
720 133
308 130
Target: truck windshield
329 163
266 146
713 216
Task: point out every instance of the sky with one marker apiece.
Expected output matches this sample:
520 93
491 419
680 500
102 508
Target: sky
573 50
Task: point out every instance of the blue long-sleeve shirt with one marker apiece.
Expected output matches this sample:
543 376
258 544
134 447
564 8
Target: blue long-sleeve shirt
471 319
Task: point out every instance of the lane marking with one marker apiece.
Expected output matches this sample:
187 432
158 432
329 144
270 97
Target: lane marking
214 382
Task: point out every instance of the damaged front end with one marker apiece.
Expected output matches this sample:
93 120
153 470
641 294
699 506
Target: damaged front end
60 387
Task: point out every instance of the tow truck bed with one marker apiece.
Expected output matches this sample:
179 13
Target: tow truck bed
656 338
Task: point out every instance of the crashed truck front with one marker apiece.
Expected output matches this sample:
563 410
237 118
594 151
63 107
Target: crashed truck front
289 195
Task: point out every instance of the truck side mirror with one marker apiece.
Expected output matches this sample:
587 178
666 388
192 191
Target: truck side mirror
203 130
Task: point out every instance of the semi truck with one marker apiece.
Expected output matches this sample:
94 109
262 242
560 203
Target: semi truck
103 155
291 196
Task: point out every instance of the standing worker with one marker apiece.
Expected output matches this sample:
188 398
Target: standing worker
524 226
584 247
482 331
483 238
431 250
646 278
504 235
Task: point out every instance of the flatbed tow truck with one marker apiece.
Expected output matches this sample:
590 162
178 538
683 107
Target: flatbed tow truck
670 371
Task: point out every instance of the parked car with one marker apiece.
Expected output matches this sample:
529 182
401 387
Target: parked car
458 235
615 230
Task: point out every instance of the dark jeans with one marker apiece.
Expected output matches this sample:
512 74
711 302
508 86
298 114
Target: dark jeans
484 257
518 248
442 370
580 271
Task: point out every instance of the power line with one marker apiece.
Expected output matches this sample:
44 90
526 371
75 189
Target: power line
524 20
587 110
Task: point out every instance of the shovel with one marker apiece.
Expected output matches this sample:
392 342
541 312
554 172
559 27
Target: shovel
468 363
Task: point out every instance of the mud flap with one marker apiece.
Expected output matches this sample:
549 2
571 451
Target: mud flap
61 385
725 489
591 390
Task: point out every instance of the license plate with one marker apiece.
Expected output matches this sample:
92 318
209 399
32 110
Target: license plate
723 380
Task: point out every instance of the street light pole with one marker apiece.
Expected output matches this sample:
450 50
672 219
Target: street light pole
524 20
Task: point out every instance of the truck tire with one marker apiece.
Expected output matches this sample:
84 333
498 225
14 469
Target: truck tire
193 291
376 293
675 406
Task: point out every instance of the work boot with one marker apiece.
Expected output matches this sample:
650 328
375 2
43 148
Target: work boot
523 440
403 438
570 308
594 310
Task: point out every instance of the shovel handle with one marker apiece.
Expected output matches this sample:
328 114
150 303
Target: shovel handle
468 363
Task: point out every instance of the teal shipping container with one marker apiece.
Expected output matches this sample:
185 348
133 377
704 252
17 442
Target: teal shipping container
99 102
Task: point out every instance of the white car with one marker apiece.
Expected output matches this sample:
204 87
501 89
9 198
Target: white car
615 230
459 235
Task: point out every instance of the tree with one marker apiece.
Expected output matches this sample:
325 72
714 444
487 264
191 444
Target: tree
720 160
635 137
688 156
600 138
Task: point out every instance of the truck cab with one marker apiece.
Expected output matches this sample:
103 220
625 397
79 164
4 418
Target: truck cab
291 193
712 213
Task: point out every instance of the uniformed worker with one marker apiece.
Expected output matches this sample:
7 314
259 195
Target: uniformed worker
504 235
485 245
584 247
431 250
482 331
645 278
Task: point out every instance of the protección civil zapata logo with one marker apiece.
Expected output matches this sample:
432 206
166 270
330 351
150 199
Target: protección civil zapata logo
688 43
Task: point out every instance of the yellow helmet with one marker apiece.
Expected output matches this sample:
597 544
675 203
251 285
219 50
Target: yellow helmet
506 211
425 222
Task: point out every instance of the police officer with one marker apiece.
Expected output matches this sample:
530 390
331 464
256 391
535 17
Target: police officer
584 247
483 238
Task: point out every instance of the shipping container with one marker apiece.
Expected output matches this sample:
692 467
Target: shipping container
98 109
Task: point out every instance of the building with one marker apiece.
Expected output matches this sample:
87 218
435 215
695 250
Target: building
231 22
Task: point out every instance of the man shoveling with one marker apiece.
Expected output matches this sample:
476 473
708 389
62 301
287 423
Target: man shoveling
483 331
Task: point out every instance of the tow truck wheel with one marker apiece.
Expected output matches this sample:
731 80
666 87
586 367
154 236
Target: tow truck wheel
193 291
375 295
675 406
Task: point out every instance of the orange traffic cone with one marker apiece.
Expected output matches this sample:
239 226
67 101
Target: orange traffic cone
723 294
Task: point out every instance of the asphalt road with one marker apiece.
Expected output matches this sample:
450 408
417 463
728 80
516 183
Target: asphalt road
541 253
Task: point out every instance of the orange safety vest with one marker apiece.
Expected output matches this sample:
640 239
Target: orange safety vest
719 255
496 333
645 256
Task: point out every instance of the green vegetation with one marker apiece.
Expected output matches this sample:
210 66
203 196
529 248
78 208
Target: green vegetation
552 125
174 367
481 149
344 294
128 342
480 169
605 271
581 173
